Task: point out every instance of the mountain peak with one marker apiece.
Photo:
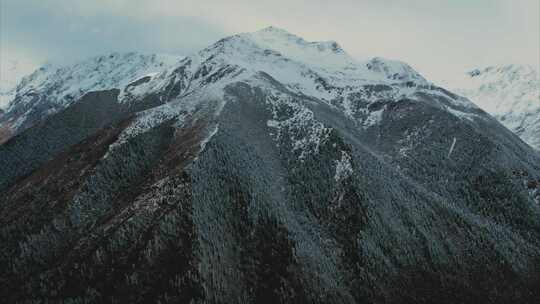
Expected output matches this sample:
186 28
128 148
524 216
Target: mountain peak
262 141
394 70
327 55
61 84
273 33
278 33
11 73
506 70
285 55
273 29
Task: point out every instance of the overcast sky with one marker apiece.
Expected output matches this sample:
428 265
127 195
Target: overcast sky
437 37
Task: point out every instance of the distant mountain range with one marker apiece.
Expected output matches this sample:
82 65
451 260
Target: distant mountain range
11 73
262 169
510 93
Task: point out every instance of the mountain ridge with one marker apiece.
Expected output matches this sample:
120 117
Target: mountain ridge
326 79
240 175
54 87
511 93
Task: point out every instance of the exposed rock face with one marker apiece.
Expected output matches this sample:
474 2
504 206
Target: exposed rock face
247 175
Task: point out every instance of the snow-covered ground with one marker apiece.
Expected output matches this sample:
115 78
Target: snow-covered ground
53 87
11 73
321 70
65 84
511 93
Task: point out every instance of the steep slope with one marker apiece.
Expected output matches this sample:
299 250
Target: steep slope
52 88
511 93
11 73
260 174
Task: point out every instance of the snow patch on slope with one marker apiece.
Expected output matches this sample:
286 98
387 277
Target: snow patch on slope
298 124
178 111
374 118
209 136
343 167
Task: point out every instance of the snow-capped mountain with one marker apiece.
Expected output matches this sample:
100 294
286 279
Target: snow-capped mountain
52 87
511 93
263 169
319 69
11 73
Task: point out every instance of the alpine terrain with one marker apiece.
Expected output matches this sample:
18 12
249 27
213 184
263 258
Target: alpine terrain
262 169
510 93
11 73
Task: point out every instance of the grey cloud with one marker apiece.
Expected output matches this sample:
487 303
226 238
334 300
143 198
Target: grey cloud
47 29
437 37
